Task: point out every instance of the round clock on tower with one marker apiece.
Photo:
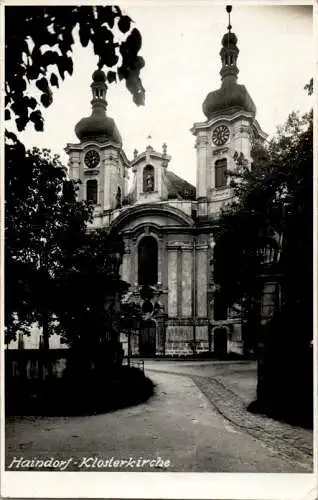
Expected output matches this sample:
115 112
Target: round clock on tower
220 135
91 158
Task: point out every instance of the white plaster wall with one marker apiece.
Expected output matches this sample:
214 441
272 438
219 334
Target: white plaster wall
150 219
125 267
184 206
32 341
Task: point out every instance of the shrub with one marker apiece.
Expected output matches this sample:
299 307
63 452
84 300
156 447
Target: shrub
83 396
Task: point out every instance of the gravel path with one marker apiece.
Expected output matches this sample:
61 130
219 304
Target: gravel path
230 387
178 424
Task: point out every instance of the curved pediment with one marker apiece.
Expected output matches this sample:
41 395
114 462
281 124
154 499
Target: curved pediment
155 214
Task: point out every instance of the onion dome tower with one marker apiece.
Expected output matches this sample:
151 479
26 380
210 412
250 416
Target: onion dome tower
98 126
231 95
98 160
228 132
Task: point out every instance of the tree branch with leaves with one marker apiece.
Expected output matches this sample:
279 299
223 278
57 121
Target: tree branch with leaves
39 43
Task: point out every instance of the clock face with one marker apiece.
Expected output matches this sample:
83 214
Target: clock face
91 158
220 135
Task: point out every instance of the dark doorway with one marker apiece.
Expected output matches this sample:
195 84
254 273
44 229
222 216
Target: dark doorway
148 261
220 342
147 338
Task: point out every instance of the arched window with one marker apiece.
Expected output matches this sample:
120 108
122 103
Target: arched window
148 261
148 179
118 198
220 173
91 191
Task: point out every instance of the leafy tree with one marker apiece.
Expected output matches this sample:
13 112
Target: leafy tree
89 291
130 318
91 277
309 87
272 214
43 223
131 315
279 183
58 273
38 49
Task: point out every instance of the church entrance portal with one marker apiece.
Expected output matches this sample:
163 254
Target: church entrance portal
220 342
147 338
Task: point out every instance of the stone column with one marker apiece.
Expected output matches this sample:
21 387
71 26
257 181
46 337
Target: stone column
202 328
134 262
126 267
74 164
242 139
179 281
160 258
172 280
101 185
201 147
269 300
107 184
186 308
202 280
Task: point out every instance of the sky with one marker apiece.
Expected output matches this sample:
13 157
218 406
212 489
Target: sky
181 45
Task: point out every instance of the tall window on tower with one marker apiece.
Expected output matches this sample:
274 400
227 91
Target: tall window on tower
148 261
148 179
220 173
118 198
91 191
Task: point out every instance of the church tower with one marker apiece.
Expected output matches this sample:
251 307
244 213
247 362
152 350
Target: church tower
98 161
228 132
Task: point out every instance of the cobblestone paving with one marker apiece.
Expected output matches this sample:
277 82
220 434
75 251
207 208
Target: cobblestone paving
292 443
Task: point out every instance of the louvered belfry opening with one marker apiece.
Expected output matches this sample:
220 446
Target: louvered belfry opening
220 173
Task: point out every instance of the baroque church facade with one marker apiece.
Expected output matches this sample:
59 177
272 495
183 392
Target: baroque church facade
166 223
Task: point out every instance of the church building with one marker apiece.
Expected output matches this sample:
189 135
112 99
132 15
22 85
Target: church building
166 223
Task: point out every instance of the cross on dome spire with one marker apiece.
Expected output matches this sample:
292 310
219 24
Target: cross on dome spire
229 51
231 95
149 147
229 10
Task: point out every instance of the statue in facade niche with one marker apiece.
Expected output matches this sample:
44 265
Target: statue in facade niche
148 180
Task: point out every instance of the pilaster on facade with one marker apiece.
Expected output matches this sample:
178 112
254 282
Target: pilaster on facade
186 280
201 147
202 279
173 279
126 266
134 262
